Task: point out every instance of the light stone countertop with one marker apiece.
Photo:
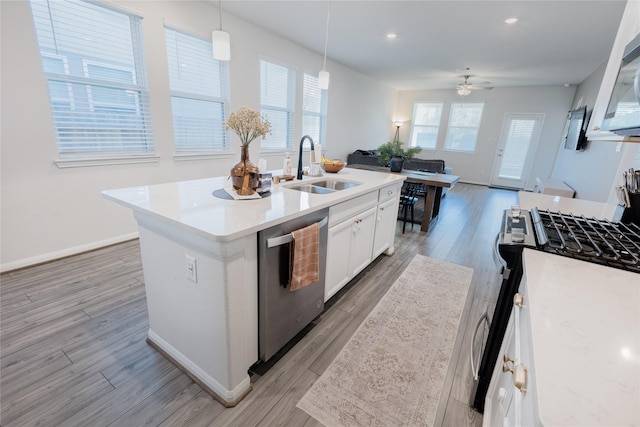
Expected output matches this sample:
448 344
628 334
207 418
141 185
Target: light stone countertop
190 205
585 325
567 205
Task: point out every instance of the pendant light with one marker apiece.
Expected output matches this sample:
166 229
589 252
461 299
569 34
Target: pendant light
221 40
323 76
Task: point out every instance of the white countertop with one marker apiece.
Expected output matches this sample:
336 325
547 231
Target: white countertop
567 205
191 204
585 321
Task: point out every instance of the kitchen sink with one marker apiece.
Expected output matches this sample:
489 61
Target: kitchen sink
335 184
327 186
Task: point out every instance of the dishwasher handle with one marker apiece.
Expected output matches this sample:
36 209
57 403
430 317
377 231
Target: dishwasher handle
287 238
496 255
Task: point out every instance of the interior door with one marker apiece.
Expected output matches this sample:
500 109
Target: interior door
518 141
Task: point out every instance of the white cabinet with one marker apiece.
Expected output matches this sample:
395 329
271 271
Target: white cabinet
388 199
359 230
511 398
349 249
628 29
385 228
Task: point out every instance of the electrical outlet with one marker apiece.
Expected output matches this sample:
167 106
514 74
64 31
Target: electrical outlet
192 271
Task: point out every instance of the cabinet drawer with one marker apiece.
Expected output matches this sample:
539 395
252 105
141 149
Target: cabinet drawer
388 192
344 210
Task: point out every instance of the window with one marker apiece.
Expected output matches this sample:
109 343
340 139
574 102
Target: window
199 87
426 121
277 103
92 60
464 122
314 109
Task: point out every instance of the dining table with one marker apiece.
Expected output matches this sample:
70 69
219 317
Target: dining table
433 182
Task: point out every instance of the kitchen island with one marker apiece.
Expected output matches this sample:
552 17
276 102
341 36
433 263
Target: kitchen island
200 262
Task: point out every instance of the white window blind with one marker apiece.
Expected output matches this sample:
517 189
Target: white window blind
199 94
93 62
314 109
277 104
425 124
464 122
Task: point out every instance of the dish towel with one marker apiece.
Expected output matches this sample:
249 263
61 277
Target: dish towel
305 259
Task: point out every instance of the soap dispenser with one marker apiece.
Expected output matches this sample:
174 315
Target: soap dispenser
286 168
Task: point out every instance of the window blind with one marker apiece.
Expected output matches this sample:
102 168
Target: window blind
92 61
277 104
464 122
199 94
314 109
425 124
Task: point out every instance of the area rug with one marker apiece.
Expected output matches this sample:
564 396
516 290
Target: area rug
392 371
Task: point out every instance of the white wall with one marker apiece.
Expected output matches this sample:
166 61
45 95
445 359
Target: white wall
477 167
47 212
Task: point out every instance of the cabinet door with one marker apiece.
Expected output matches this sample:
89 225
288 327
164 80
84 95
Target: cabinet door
499 408
363 227
385 227
337 269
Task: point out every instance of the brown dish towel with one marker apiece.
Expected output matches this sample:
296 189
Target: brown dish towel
305 259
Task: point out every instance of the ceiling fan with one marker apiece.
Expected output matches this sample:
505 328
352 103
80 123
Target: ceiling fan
466 87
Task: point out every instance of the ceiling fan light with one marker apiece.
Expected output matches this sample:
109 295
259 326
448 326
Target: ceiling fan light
323 79
221 45
464 90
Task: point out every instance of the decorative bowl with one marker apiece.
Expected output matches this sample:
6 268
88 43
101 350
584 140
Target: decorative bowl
333 167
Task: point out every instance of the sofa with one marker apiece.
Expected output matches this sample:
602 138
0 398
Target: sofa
370 157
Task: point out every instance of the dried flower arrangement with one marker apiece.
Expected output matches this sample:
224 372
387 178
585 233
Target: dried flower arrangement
248 124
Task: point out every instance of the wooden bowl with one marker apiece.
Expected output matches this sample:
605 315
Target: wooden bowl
334 167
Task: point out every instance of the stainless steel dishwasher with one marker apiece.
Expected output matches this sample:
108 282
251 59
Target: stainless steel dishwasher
282 314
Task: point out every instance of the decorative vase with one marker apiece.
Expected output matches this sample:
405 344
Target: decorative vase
396 163
244 175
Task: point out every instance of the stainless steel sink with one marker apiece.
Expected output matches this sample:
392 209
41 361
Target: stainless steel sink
309 188
336 185
327 186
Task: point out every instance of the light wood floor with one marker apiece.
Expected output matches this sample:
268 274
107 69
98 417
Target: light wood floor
73 331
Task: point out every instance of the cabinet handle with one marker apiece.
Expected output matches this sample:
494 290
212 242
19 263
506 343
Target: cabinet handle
389 192
507 366
520 378
518 300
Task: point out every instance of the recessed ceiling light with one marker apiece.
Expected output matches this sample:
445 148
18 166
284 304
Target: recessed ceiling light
391 35
511 20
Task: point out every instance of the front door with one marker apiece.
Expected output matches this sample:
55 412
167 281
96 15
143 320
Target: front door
518 141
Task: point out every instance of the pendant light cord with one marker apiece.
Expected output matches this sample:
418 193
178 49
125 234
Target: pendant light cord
326 38
220 13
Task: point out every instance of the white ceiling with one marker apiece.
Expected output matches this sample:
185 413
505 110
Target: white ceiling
553 43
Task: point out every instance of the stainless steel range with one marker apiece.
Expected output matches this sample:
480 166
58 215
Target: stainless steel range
611 244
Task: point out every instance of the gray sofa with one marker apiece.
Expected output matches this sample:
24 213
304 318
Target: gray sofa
366 157
371 158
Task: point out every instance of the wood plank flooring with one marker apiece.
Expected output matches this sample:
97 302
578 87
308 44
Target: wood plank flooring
73 349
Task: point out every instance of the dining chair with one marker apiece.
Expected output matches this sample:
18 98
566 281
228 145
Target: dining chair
408 199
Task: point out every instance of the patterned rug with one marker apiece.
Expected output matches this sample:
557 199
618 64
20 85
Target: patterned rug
391 372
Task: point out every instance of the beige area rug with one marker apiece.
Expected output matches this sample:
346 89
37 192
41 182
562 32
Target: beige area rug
391 372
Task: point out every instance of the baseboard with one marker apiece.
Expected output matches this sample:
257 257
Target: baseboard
52 256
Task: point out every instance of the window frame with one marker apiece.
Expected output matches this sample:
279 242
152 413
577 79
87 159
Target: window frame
70 152
290 109
322 114
413 136
449 127
184 153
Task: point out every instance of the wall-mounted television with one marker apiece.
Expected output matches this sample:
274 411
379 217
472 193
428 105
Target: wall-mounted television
575 137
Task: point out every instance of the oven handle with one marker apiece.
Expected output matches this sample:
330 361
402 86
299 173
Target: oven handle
483 319
496 255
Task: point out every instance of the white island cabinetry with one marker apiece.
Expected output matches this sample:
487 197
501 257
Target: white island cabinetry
200 263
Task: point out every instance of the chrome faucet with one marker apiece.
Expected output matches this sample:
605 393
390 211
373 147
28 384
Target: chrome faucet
299 176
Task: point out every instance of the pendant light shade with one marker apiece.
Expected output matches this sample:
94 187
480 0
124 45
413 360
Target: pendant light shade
221 45
323 76
220 40
323 79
